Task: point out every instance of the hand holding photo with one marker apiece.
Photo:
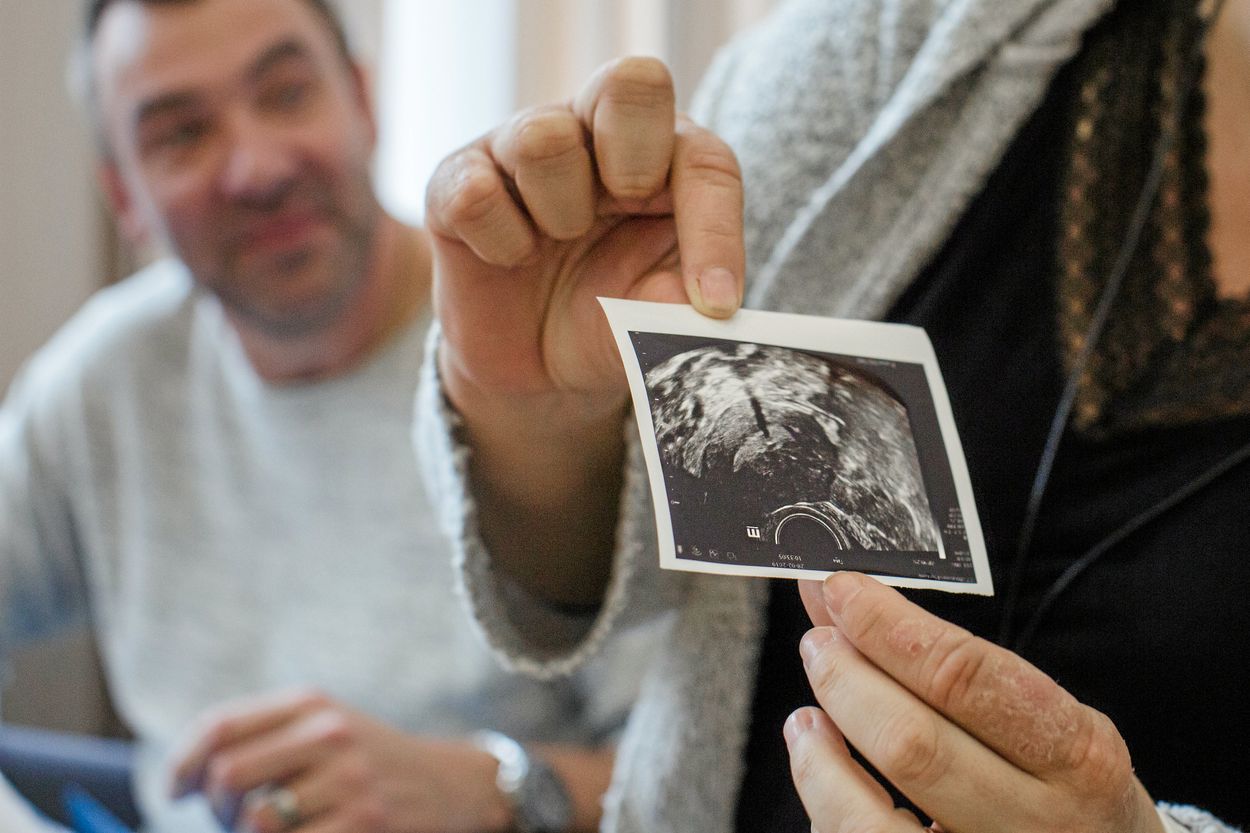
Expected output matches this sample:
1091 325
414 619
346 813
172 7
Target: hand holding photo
795 446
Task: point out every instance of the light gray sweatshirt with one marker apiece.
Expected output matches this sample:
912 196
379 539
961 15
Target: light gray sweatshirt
863 129
227 537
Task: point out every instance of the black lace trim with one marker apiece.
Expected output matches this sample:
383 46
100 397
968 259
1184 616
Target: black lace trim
1172 353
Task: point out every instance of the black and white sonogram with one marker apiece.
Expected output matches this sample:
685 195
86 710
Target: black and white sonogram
790 460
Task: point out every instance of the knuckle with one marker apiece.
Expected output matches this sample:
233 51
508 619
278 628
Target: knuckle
959 663
712 162
824 672
443 181
547 137
859 621
217 731
1100 761
720 229
311 698
369 814
473 198
357 773
639 82
225 775
634 184
909 752
806 767
335 728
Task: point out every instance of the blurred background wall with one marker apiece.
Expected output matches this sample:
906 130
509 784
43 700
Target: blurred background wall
51 224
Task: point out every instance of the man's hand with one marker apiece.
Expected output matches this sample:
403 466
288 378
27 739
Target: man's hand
612 194
344 771
971 733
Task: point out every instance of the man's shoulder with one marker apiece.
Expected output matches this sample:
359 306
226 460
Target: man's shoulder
155 303
115 331
156 299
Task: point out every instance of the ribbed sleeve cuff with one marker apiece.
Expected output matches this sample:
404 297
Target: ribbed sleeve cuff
1180 818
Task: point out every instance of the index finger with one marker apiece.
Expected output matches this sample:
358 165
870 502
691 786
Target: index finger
232 724
996 696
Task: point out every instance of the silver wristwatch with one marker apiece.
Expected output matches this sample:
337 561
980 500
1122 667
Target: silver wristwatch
540 801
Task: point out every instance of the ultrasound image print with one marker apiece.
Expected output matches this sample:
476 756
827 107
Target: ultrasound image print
808 455
782 445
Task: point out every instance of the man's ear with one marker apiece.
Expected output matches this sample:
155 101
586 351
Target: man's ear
125 209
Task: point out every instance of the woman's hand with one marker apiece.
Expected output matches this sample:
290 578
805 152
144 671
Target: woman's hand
975 736
612 194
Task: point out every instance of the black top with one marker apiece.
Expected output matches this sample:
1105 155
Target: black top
1152 634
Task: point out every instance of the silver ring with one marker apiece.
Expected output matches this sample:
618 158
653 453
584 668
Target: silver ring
285 806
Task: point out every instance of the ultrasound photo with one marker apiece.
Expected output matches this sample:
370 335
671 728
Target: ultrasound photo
789 460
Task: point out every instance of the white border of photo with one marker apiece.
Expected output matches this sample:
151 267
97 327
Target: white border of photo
866 339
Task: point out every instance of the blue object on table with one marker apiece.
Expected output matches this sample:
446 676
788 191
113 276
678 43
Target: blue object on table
88 815
40 763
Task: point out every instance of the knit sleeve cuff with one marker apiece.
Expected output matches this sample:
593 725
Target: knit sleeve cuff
528 634
1180 818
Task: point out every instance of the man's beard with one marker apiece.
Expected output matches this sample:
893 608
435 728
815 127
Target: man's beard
350 262
347 263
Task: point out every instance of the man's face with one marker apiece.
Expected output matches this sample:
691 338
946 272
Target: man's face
241 140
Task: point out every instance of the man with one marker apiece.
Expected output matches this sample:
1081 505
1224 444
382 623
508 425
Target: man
209 461
971 168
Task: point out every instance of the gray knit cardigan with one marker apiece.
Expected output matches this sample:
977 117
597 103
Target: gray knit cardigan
864 128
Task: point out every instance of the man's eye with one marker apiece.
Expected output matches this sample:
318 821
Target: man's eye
180 135
287 96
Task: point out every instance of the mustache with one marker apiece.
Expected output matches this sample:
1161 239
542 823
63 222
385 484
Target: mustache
294 201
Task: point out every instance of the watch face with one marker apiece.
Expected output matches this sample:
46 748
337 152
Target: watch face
543 804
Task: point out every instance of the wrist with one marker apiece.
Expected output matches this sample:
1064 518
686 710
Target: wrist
446 785
496 811
537 798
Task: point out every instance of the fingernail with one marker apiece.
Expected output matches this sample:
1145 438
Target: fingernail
796 724
719 290
813 642
840 588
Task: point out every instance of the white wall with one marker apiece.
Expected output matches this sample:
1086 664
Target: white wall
49 212
449 71
444 77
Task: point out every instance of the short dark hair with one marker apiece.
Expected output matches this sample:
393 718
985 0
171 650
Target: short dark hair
96 8
82 81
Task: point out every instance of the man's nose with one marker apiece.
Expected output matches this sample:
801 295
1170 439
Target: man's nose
259 163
